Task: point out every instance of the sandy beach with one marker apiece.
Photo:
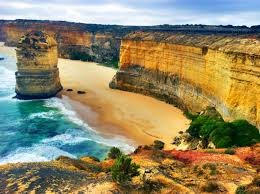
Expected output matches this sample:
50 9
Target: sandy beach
140 118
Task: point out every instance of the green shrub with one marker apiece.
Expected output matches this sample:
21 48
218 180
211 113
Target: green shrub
189 115
241 190
244 134
159 145
83 56
123 170
230 151
224 134
256 181
114 62
200 172
195 168
210 187
211 166
114 152
213 172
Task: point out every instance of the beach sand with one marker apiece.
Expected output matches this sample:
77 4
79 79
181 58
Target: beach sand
137 118
141 119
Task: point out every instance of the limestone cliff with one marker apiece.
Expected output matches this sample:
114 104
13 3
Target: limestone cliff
101 43
194 71
37 74
100 46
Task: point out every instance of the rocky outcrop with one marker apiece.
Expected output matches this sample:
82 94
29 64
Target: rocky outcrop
194 72
160 172
37 74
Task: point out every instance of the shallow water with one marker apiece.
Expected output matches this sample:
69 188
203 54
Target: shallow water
42 130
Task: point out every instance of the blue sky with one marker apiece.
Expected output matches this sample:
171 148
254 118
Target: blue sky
136 12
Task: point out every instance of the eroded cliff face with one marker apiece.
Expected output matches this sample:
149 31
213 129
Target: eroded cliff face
101 43
101 47
194 71
37 73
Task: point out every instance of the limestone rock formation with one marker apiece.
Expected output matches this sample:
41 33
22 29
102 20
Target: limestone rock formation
101 43
194 72
37 74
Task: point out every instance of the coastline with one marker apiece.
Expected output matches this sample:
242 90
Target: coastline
141 119
134 118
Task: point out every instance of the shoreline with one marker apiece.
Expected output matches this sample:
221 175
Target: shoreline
137 119
141 119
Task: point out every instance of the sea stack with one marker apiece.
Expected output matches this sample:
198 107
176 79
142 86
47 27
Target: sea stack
37 73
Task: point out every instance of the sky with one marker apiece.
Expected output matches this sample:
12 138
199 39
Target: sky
136 12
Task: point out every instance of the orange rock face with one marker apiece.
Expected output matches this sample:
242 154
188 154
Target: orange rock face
37 73
71 38
194 72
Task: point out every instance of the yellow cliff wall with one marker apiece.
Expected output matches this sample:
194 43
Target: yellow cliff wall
102 47
203 76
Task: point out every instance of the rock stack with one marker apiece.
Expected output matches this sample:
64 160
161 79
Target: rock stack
37 74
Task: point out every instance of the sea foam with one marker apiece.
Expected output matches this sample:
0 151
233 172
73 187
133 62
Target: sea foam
36 153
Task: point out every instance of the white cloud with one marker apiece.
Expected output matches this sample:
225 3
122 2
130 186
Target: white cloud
119 12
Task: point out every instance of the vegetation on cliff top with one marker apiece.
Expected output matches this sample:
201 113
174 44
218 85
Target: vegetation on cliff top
114 153
212 127
123 169
83 56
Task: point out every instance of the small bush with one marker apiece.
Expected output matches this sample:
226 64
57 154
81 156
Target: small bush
224 134
114 152
211 166
213 172
195 168
158 144
256 181
213 152
83 56
123 170
114 62
241 190
200 173
210 187
189 115
230 151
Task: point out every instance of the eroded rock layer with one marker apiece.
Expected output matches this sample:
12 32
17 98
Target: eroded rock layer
72 39
37 74
194 71
101 43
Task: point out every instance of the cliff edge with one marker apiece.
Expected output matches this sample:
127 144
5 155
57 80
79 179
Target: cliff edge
194 71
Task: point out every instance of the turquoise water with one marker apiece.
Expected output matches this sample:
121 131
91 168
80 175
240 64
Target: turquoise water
42 130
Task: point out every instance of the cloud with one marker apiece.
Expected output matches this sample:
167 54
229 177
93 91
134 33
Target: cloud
136 12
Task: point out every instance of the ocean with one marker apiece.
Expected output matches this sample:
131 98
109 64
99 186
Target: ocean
42 130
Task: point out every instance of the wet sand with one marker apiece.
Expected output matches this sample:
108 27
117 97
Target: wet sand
139 118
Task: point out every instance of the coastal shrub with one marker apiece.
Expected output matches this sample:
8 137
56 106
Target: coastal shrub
224 134
241 190
212 167
159 145
114 152
244 133
230 151
83 56
256 181
124 170
114 62
189 115
210 187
